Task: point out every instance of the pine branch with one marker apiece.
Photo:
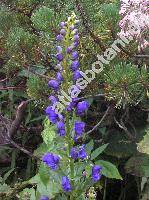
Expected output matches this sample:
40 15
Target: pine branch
87 26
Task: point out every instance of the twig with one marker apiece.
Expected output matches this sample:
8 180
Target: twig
18 119
14 126
12 88
24 150
3 80
102 119
123 127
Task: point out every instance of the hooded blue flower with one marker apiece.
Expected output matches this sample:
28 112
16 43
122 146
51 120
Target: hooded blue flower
51 114
74 55
61 128
53 99
75 44
82 107
72 27
79 128
69 49
54 84
96 173
63 31
76 38
59 49
82 153
44 198
66 186
59 57
51 160
76 75
60 37
74 153
75 64
59 77
62 24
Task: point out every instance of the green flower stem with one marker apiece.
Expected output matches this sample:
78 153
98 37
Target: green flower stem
67 80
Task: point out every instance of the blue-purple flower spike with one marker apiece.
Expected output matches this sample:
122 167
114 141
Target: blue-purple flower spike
67 67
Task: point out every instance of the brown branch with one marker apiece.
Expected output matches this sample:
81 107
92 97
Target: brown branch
12 88
18 119
99 123
123 127
24 150
14 126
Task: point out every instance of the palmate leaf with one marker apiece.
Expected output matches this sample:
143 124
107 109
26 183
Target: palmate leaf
108 169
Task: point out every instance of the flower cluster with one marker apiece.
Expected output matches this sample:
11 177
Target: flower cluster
135 12
68 72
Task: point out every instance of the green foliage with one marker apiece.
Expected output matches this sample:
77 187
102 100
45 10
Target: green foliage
48 133
27 47
42 18
125 84
138 165
36 87
98 151
108 169
3 186
20 40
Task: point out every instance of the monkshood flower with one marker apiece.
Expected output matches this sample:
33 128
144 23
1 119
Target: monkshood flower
53 99
79 129
60 37
74 55
59 57
61 128
96 173
62 24
78 152
75 65
59 49
59 77
53 117
66 186
44 198
76 75
51 160
82 107
54 84
82 153
74 153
